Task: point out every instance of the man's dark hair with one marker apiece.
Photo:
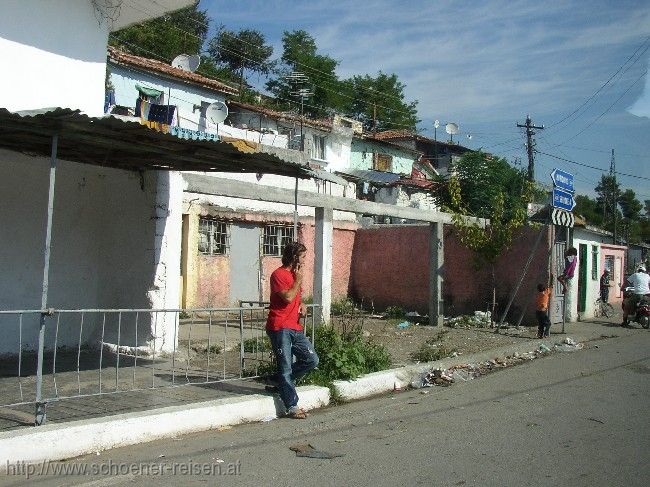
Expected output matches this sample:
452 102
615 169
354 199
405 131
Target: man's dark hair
541 287
291 252
571 251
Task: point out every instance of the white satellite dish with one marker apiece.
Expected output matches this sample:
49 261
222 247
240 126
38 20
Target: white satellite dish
187 62
436 123
451 128
216 112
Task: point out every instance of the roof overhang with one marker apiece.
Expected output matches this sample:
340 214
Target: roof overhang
111 142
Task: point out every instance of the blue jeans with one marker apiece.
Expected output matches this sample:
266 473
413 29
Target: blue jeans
287 344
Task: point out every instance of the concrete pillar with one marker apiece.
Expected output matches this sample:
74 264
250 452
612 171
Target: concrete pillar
165 289
323 260
436 263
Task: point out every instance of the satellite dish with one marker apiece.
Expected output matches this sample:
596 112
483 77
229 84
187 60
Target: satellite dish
451 128
436 123
187 62
216 112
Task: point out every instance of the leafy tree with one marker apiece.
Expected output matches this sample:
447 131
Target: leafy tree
379 102
608 194
630 205
241 51
487 187
588 208
299 53
481 178
647 208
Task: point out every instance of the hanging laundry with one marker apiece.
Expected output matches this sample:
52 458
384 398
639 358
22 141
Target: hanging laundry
162 113
109 101
142 108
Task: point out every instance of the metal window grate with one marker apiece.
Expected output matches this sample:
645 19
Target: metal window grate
594 262
214 237
276 238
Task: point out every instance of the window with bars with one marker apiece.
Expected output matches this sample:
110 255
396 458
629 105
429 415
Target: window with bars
594 262
276 238
214 237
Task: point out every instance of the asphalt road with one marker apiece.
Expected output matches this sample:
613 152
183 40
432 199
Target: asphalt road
573 419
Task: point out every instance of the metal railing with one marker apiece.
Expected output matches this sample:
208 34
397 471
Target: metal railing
94 352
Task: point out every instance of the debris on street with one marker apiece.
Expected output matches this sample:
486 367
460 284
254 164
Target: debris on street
306 450
464 372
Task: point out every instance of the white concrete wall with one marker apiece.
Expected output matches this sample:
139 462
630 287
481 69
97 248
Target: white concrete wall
400 196
53 54
593 285
244 205
103 246
182 95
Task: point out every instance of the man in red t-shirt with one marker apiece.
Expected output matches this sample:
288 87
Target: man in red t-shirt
284 329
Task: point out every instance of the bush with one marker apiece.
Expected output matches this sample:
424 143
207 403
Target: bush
345 356
343 306
394 312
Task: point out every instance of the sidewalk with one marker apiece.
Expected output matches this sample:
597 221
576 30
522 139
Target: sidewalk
101 422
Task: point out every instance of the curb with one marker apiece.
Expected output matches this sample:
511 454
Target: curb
58 441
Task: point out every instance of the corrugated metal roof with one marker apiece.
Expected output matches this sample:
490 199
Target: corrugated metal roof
109 141
377 177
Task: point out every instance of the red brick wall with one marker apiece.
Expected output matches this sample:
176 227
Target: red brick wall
390 267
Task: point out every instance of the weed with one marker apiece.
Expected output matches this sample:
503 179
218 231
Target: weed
394 312
343 306
260 344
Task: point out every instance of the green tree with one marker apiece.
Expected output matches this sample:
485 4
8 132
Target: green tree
379 102
488 243
588 208
299 54
608 193
482 178
245 50
631 207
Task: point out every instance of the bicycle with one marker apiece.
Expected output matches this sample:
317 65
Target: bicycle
603 308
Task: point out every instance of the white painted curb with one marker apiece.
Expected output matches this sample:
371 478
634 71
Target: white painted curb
58 441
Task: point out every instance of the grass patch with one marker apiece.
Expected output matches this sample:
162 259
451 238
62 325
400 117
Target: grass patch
433 349
261 344
343 306
394 312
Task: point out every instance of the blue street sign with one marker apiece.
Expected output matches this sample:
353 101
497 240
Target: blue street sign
563 200
563 180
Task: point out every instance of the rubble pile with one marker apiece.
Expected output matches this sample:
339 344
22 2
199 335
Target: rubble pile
469 371
480 319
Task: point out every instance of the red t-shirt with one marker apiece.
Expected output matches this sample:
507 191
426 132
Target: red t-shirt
283 314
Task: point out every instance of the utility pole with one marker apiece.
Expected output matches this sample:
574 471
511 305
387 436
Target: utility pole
530 145
612 174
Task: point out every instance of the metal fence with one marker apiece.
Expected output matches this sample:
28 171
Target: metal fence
55 354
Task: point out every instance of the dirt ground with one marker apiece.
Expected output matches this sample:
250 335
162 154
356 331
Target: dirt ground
403 344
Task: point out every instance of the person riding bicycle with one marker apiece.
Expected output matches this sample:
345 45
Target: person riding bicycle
604 286
640 282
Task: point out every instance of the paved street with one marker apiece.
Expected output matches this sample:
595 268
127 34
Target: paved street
575 419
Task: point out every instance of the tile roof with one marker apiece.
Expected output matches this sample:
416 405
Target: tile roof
406 135
281 116
151 65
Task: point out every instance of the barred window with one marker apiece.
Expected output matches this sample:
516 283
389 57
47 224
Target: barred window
594 262
276 238
214 237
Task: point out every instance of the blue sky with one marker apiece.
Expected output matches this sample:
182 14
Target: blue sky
486 65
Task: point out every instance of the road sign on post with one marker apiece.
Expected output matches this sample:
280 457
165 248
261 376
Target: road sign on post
562 218
562 180
563 200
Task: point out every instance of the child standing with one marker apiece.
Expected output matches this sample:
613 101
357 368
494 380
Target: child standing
541 309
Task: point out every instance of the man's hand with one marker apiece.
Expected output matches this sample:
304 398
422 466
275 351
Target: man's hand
298 274
303 309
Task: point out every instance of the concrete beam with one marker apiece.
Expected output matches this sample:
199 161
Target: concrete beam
323 260
436 263
199 183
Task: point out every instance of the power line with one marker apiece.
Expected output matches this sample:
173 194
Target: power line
606 82
239 53
606 110
600 169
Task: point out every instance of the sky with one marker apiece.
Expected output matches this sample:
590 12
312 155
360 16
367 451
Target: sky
579 68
